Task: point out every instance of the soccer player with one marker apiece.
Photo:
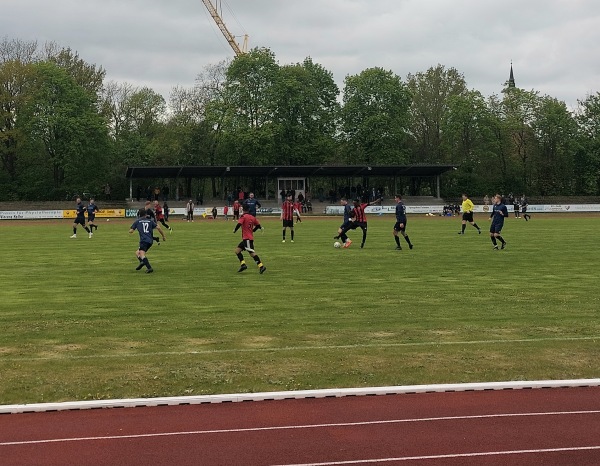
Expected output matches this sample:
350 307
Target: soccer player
287 216
249 224
145 225
160 216
236 210
297 210
225 212
346 223
524 205
92 208
150 213
80 219
400 225
499 213
516 206
467 216
359 220
252 204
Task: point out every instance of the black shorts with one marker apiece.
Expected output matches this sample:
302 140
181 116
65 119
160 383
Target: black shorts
144 246
80 221
91 218
397 226
345 225
468 216
288 223
247 245
355 225
496 227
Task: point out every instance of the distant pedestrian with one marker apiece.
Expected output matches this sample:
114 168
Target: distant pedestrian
189 208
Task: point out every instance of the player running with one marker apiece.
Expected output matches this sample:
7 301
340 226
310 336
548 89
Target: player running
91 209
400 225
346 223
499 213
359 220
249 224
145 225
160 216
80 219
467 216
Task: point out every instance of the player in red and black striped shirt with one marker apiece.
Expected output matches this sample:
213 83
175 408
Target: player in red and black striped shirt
287 216
359 220
249 224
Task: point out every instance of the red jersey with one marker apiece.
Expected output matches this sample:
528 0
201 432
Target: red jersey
159 212
358 213
287 210
298 206
225 210
248 223
236 206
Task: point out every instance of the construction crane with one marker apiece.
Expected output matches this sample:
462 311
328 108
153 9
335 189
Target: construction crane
212 9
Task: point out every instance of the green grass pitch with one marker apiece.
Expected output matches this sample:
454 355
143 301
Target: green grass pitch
78 322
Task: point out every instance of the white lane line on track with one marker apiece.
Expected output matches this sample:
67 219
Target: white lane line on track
296 348
449 456
298 427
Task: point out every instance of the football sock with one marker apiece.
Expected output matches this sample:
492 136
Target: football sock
87 229
343 237
464 225
407 239
494 241
501 239
257 260
397 240
476 226
240 257
284 233
292 235
146 263
74 230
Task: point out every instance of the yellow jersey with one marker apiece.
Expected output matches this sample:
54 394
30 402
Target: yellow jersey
467 206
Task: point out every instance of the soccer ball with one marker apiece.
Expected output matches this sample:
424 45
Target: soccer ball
337 244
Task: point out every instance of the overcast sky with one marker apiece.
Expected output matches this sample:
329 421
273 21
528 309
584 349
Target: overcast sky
554 44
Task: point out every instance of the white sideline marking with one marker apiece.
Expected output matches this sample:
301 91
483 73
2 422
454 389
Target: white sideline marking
299 427
297 394
296 348
457 455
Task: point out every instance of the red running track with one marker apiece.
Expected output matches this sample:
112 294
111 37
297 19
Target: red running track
556 426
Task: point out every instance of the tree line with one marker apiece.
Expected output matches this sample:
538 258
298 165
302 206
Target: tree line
65 128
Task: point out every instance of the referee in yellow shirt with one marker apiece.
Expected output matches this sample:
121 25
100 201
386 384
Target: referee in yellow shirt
467 216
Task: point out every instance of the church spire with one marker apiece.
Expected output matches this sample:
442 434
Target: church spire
511 79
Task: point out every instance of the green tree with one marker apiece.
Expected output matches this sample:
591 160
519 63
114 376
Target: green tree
430 93
375 117
587 157
65 132
305 111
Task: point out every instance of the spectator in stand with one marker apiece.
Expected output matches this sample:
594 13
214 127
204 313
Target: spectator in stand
156 193
165 192
486 200
166 211
107 192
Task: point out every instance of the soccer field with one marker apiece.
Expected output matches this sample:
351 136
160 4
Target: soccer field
79 323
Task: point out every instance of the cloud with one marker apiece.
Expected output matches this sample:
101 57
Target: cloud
159 44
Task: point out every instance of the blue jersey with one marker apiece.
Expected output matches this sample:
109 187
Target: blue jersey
347 212
499 213
92 209
80 210
400 212
252 205
144 226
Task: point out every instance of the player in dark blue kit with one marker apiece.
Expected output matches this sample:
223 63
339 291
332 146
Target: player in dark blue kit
347 212
400 225
80 219
499 213
144 225
92 208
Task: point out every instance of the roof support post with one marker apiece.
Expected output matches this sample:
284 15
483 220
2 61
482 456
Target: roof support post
437 186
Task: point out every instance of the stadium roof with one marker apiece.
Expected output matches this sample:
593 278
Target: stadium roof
287 171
